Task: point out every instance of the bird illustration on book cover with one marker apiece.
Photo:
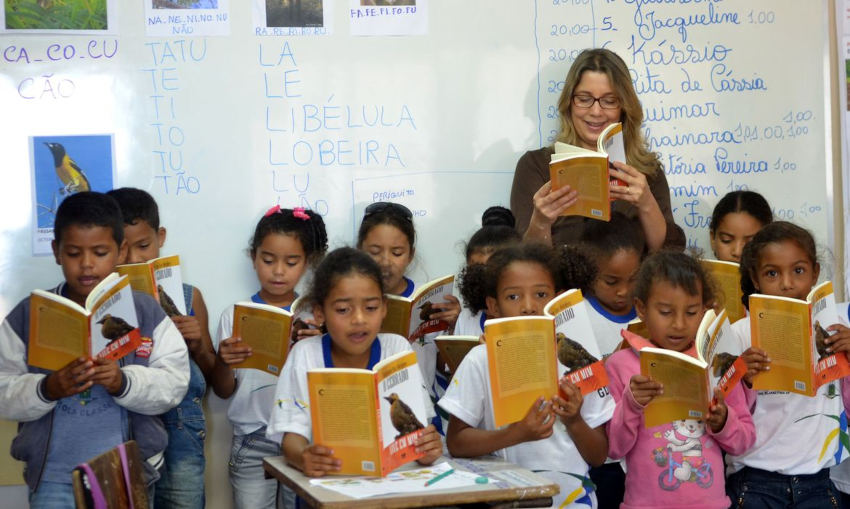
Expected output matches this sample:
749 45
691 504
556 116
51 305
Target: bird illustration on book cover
114 327
402 417
166 303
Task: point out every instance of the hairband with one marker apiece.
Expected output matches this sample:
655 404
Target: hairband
298 212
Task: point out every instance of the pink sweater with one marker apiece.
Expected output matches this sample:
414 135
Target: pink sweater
695 477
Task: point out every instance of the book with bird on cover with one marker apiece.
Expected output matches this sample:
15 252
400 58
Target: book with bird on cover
454 348
160 278
266 329
522 363
689 382
410 316
61 330
586 171
370 418
792 332
728 278
578 350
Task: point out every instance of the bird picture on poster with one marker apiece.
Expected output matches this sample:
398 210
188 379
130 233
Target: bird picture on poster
62 166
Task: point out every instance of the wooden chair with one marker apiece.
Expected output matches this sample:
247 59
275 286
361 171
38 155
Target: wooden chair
112 480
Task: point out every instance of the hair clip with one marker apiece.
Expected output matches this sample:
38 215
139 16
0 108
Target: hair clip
300 214
273 210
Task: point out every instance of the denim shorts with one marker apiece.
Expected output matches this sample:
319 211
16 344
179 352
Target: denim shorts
755 488
251 490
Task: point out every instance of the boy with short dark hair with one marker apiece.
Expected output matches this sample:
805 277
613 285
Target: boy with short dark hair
91 405
182 481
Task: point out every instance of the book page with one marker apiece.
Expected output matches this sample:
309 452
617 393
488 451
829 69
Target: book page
58 335
521 358
114 324
267 333
344 418
613 144
140 276
454 349
589 176
685 389
421 309
402 411
397 320
781 327
169 285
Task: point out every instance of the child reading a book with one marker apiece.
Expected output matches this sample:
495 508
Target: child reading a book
617 247
182 481
558 437
347 293
285 243
795 434
387 235
677 464
597 92
91 405
497 230
736 218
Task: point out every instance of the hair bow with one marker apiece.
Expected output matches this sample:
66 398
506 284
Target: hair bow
300 213
273 210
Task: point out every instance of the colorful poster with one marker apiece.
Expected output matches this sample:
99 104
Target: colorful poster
165 18
62 166
292 17
388 17
59 16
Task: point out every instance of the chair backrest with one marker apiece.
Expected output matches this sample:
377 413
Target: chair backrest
112 480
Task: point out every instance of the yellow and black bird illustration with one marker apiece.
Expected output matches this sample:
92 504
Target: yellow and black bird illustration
721 363
571 354
402 417
113 327
820 340
72 176
166 303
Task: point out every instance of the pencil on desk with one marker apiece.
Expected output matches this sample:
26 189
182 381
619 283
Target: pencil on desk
447 473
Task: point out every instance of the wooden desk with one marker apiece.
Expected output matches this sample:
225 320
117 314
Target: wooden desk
538 493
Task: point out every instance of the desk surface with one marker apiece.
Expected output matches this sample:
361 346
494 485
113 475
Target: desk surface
519 484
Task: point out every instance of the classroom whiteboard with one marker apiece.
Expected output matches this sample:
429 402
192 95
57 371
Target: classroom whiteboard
218 129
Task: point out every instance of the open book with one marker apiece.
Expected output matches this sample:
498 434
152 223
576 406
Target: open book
266 329
159 278
792 332
61 330
370 419
689 382
408 317
577 347
586 171
728 277
522 364
454 348
112 479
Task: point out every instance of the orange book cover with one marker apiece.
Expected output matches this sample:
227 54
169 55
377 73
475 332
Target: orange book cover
454 348
587 174
266 329
161 279
782 327
409 316
522 363
728 278
371 418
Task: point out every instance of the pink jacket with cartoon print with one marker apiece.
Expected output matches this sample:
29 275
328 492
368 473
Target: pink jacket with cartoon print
677 464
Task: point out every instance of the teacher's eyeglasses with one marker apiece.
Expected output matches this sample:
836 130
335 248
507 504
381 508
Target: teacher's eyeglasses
607 102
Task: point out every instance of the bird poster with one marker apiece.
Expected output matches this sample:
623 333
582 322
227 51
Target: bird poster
59 16
579 355
187 18
370 418
62 166
62 330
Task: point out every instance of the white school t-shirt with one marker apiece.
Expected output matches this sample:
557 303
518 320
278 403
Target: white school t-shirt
291 409
468 399
840 474
469 323
607 326
791 429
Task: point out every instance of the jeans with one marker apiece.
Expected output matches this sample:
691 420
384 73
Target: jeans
754 488
251 490
52 495
182 483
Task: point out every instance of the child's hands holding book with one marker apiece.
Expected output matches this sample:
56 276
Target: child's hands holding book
429 443
840 341
757 361
644 389
232 351
317 460
717 412
108 374
190 329
447 311
74 378
568 409
537 423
